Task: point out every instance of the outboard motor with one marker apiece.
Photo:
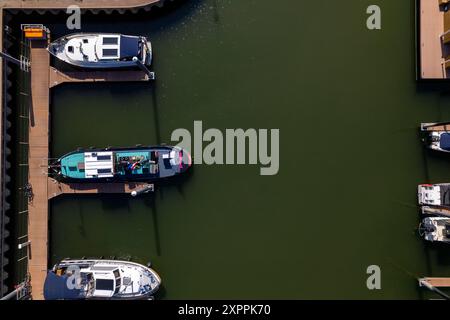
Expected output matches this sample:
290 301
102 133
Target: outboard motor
426 227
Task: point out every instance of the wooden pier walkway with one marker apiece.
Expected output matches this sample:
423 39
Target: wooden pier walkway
56 188
437 282
431 29
84 4
57 77
38 172
438 126
436 210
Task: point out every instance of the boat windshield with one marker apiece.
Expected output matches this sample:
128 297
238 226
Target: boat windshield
95 50
118 280
104 284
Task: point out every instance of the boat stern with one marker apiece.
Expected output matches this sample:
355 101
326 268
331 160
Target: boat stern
429 194
428 229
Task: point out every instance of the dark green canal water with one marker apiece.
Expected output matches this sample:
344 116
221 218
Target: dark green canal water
348 109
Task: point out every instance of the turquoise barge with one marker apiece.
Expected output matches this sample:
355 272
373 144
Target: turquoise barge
122 164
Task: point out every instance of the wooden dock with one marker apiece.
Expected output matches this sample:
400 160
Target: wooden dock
38 155
437 282
436 210
438 126
56 188
57 77
431 48
84 4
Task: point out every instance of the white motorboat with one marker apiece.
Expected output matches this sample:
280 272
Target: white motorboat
102 50
100 279
435 229
437 195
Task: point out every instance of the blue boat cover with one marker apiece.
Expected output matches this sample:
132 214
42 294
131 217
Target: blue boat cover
129 46
55 288
444 142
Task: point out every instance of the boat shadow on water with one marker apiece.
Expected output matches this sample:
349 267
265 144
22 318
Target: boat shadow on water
433 159
439 252
177 182
161 293
115 203
150 202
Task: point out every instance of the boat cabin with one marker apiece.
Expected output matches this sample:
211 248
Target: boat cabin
106 281
100 279
91 48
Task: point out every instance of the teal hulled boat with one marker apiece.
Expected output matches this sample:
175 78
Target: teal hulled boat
122 164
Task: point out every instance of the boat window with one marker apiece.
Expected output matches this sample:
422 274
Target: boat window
85 41
103 171
104 284
154 168
167 164
110 40
117 276
108 157
70 49
110 52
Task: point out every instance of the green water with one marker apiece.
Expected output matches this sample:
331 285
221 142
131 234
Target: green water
348 108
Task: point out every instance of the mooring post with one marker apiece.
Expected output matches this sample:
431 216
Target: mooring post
146 189
23 245
150 74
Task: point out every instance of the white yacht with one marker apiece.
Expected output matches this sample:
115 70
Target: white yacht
435 229
434 194
95 50
100 279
